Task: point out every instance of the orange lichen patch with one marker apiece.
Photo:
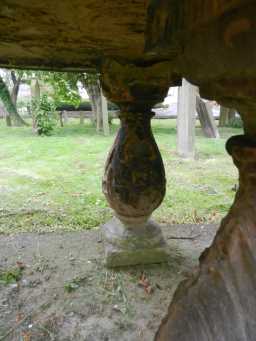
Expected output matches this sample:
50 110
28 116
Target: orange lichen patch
236 27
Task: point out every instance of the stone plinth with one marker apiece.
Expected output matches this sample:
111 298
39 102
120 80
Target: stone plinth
133 245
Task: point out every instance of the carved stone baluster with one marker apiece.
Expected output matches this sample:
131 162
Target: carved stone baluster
134 180
218 303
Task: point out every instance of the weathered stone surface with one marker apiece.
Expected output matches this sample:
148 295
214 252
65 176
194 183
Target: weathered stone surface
133 244
134 179
211 43
136 88
218 302
70 34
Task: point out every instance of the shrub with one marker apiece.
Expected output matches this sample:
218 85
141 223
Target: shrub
236 122
83 106
44 116
161 106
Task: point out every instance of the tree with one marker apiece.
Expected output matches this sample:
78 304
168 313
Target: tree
227 115
35 100
44 119
65 87
91 82
9 97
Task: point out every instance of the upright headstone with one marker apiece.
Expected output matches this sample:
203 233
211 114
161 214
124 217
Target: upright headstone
206 119
186 120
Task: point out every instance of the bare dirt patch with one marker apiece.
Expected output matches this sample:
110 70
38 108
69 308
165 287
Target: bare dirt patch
63 291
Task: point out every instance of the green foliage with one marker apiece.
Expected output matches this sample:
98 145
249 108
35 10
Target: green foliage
85 105
23 103
10 276
44 115
5 97
112 106
236 122
161 105
64 86
74 284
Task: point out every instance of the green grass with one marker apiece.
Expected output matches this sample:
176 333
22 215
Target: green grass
54 183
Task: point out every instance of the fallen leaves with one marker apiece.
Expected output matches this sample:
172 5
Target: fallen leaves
26 336
144 283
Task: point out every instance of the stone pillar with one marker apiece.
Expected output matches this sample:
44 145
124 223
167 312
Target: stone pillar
219 301
186 120
134 180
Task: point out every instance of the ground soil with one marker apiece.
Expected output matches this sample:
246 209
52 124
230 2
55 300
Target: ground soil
66 293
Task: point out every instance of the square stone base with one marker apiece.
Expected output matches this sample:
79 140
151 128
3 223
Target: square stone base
139 244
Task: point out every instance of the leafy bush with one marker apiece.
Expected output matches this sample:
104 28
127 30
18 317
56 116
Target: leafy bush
86 106
236 122
83 106
44 116
161 106
10 276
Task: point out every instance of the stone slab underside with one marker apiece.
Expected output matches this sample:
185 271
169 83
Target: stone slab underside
66 34
142 244
208 42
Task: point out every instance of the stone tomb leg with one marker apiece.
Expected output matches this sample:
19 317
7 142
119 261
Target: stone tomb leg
134 180
218 302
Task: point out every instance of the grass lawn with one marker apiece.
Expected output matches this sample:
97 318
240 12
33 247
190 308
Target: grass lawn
54 183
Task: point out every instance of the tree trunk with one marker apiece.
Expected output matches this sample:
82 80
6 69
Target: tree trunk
94 111
99 122
94 92
35 97
226 116
8 103
206 119
7 116
81 117
232 115
8 120
65 116
104 109
15 89
61 119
